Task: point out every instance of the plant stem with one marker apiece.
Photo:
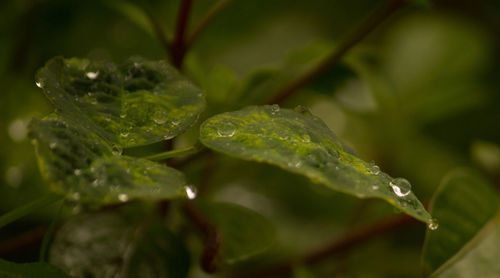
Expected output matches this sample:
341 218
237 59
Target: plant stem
213 238
343 244
19 212
49 235
207 18
358 35
169 154
178 46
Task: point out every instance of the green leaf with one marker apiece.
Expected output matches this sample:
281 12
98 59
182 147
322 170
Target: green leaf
464 204
118 244
138 103
30 270
86 168
244 232
303 144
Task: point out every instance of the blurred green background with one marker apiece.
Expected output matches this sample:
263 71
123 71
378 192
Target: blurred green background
420 96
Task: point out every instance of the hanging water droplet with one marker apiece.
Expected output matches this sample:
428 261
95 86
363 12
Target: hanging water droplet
116 150
78 172
373 169
433 224
190 192
53 145
226 129
160 117
123 197
275 108
38 84
92 75
400 186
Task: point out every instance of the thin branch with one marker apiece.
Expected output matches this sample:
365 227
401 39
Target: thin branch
341 245
358 35
174 153
178 46
212 236
159 32
207 18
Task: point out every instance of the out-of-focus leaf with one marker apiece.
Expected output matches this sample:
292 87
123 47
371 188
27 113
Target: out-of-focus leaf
30 270
133 12
303 144
244 232
86 168
465 205
138 103
487 155
117 244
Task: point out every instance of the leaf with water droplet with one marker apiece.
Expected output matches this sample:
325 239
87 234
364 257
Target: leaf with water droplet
85 165
119 244
309 149
30 270
245 233
467 208
130 105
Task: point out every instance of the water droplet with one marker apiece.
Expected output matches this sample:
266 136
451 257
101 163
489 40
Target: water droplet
190 192
275 108
375 187
295 163
401 187
226 129
433 224
78 172
53 145
306 138
92 75
124 134
160 117
116 150
373 169
302 109
123 197
176 122
123 115
38 84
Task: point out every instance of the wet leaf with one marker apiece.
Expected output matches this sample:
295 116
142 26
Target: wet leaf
118 244
30 270
86 168
244 232
137 103
465 205
301 143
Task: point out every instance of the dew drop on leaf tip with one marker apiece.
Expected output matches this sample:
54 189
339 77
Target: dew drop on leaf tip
433 224
190 192
400 186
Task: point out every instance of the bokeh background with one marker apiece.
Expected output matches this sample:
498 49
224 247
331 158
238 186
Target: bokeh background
420 96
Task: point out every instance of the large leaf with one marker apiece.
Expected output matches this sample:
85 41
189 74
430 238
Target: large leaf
30 270
244 232
117 244
301 143
88 169
138 103
466 205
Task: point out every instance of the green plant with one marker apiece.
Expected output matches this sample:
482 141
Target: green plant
142 205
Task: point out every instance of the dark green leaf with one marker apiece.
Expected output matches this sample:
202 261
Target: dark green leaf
138 103
30 270
244 232
464 204
303 144
117 244
86 168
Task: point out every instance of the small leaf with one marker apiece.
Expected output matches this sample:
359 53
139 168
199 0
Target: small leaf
138 103
30 270
301 143
117 244
464 204
83 166
244 232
